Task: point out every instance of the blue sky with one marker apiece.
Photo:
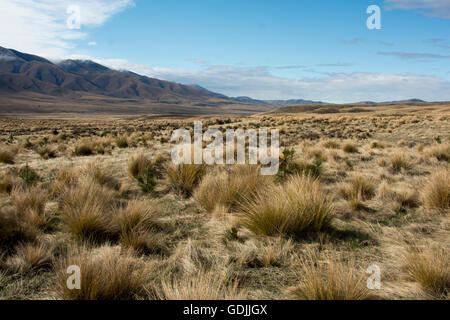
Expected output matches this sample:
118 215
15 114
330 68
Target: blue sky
265 49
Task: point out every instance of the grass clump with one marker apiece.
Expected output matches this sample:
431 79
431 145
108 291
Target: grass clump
137 226
84 147
87 211
184 178
7 154
28 175
204 285
31 258
295 209
230 189
350 148
288 166
431 268
436 193
328 280
400 162
106 274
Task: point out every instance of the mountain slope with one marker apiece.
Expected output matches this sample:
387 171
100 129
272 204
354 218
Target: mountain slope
23 72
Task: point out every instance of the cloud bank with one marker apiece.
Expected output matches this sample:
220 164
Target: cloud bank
432 8
40 26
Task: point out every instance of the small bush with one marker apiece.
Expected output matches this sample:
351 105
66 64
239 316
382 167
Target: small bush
106 274
184 178
294 209
436 193
28 175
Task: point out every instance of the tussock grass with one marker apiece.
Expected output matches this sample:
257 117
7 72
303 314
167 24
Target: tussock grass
106 274
328 280
361 187
203 285
230 189
88 210
294 209
400 161
138 223
184 178
122 142
9 181
7 154
31 258
138 164
431 268
13 231
84 147
104 176
30 205
439 151
436 193
350 148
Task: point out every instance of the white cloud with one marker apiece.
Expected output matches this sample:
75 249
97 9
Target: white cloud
433 8
92 43
259 83
40 26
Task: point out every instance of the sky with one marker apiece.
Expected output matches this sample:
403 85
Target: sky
265 49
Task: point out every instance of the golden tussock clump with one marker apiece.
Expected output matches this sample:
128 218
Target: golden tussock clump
106 274
88 210
294 209
203 285
431 268
7 154
184 178
436 193
230 189
325 279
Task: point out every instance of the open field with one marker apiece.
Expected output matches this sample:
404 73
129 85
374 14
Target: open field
361 187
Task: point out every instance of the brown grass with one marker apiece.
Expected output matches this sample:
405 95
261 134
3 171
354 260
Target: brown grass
293 209
431 268
436 193
106 274
228 190
328 280
184 178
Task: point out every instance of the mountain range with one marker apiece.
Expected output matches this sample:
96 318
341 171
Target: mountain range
32 84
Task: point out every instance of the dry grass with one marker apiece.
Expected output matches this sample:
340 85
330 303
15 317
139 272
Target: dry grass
7 154
106 274
293 209
436 193
138 164
325 279
184 178
399 161
431 268
13 231
203 285
350 148
31 258
8 182
228 190
88 210
137 224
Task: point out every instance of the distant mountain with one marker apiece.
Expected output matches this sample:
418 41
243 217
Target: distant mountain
277 103
21 72
396 102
